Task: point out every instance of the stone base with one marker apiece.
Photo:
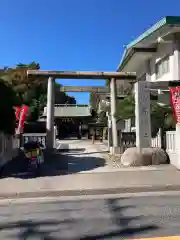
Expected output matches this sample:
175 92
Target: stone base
115 150
148 156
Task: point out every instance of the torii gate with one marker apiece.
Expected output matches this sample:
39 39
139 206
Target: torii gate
52 75
99 90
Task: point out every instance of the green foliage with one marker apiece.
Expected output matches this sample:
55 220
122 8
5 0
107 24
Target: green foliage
161 116
125 108
7 120
91 99
33 92
107 82
102 118
17 89
94 100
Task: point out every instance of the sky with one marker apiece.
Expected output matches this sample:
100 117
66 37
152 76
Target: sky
75 35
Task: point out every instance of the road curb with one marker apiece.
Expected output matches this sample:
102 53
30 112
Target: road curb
121 190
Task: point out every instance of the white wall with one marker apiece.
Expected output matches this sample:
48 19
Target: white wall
163 50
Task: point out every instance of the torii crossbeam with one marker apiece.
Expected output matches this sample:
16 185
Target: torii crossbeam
84 89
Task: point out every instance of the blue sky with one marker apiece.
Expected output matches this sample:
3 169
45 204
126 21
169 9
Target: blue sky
75 34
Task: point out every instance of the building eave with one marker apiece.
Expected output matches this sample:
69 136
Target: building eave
133 51
171 21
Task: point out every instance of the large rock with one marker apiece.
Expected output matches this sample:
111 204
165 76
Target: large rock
148 156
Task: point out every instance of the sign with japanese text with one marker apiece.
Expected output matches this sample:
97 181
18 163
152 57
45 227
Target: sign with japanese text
175 102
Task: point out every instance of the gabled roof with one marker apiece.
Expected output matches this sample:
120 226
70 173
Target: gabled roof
168 20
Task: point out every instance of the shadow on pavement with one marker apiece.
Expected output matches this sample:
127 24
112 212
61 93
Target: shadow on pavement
15 166
74 150
31 229
127 229
54 165
81 227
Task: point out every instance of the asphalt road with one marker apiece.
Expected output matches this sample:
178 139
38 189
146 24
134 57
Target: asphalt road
105 218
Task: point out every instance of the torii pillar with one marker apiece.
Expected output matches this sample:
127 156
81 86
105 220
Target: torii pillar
142 115
113 93
50 113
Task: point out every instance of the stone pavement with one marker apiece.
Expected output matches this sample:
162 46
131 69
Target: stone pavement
99 175
85 157
92 183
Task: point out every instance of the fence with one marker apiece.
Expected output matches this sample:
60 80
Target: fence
9 145
170 141
156 142
171 146
28 137
128 139
8 148
39 137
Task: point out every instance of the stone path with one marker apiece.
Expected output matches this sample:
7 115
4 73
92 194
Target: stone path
84 157
86 170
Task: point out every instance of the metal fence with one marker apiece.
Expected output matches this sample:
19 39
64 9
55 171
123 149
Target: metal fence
127 139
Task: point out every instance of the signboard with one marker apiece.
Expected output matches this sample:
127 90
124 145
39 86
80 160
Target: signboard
175 102
28 137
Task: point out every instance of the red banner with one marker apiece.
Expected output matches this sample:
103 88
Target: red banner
175 102
17 112
21 116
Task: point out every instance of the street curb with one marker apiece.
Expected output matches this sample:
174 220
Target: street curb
71 193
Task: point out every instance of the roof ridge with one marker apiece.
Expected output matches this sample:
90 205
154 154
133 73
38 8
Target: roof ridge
170 20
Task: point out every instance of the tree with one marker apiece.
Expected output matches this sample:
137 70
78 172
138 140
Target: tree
125 108
62 97
32 92
7 120
94 100
161 116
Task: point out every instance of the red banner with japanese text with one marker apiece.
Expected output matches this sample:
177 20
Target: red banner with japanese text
175 102
21 116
